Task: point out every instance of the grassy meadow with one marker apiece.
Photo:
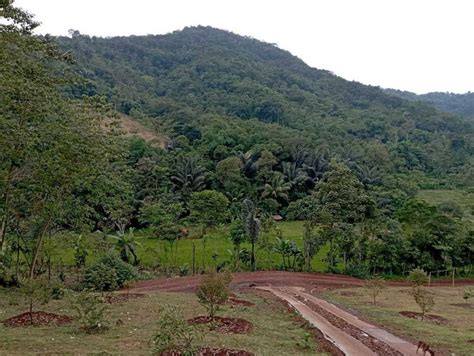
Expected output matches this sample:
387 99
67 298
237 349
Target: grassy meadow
213 250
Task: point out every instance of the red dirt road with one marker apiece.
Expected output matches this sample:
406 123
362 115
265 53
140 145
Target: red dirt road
310 281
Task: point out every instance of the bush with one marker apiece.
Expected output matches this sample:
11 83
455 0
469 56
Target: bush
109 273
418 278
101 277
468 293
90 311
174 333
424 300
214 290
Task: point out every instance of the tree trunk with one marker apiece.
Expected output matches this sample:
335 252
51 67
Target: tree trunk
6 205
252 258
37 250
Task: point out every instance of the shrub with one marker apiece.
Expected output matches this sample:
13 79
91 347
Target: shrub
424 300
174 333
101 278
214 290
90 311
468 293
418 278
374 286
109 273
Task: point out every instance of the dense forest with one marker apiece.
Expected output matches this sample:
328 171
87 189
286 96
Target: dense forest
245 133
460 104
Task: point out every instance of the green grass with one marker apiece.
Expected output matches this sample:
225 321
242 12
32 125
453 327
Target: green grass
449 304
153 252
464 199
275 331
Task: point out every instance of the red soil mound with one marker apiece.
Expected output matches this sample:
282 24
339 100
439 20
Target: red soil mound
39 319
224 325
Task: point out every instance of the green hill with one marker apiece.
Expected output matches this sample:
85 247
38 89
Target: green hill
460 104
192 80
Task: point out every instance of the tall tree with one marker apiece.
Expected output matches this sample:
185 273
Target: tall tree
252 226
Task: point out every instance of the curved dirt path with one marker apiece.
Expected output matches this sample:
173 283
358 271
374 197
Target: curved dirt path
310 281
316 311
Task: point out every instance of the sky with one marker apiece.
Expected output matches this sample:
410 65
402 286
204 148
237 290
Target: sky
416 45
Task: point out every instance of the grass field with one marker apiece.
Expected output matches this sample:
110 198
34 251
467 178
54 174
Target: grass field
464 199
214 249
456 337
275 332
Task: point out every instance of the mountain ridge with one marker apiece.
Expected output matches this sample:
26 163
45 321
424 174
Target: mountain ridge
187 77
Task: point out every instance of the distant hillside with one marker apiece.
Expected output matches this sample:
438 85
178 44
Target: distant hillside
461 104
230 94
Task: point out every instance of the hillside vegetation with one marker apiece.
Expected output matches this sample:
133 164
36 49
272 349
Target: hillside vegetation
181 133
461 104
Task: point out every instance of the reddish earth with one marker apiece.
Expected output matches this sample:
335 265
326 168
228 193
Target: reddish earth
212 351
436 319
39 319
320 281
310 281
224 325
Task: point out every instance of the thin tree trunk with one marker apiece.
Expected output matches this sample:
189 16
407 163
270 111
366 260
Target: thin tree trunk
252 262
37 250
6 204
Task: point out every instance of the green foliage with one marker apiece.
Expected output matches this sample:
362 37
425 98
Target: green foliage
424 300
468 293
174 333
213 290
418 278
208 208
127 246
91 311
108 273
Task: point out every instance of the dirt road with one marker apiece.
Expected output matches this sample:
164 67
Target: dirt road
350 334
310 281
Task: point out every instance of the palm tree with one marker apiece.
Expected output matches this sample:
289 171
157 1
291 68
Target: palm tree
368 175
293 174
248 166
127 246
277 188
251 225
188 177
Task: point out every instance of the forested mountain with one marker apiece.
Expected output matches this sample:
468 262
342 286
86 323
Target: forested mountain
461 104
230 130
224 90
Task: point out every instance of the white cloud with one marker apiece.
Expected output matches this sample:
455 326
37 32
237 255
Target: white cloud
416 45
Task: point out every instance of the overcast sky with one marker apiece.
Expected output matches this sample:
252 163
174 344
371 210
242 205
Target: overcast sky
416 45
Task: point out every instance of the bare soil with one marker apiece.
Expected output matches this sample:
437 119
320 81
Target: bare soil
436 319
224 325
312 282
39 319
